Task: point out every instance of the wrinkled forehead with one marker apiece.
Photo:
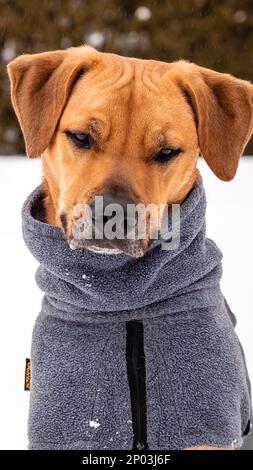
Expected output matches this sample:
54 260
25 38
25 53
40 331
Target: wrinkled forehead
121 93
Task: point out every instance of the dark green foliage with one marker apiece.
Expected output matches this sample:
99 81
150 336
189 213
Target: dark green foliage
214 33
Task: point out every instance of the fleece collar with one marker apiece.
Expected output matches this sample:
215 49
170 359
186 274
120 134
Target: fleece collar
83 286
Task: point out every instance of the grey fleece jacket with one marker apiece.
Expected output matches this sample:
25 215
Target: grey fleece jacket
134 353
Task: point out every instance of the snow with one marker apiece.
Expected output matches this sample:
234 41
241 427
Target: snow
143 14
229 223
94 424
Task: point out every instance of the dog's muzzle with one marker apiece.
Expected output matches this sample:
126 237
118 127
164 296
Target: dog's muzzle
109 224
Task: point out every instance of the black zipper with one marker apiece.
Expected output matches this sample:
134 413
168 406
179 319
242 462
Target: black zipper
135 357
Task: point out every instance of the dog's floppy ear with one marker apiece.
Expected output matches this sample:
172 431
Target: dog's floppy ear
40 86
223 108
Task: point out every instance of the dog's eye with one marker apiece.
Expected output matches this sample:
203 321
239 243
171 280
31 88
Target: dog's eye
80 139
166 154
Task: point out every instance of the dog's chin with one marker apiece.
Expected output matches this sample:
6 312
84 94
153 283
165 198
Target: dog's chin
104 251
134 249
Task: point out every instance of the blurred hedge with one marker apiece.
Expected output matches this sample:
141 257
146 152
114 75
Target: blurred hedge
213 33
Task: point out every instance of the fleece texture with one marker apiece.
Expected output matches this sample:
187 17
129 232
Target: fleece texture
197 387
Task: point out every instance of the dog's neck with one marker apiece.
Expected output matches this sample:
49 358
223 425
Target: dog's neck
50 204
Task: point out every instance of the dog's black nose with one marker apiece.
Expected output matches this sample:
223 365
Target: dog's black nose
115 213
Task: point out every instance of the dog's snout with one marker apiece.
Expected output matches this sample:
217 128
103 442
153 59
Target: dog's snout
109 208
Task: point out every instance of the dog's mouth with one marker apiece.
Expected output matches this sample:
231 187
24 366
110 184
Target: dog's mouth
107 228
135 249
112 227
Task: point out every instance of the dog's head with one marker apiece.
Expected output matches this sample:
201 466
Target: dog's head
127 129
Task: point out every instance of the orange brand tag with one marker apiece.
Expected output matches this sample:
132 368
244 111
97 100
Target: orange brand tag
27 374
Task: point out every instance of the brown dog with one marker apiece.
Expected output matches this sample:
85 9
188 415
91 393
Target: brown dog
126 127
